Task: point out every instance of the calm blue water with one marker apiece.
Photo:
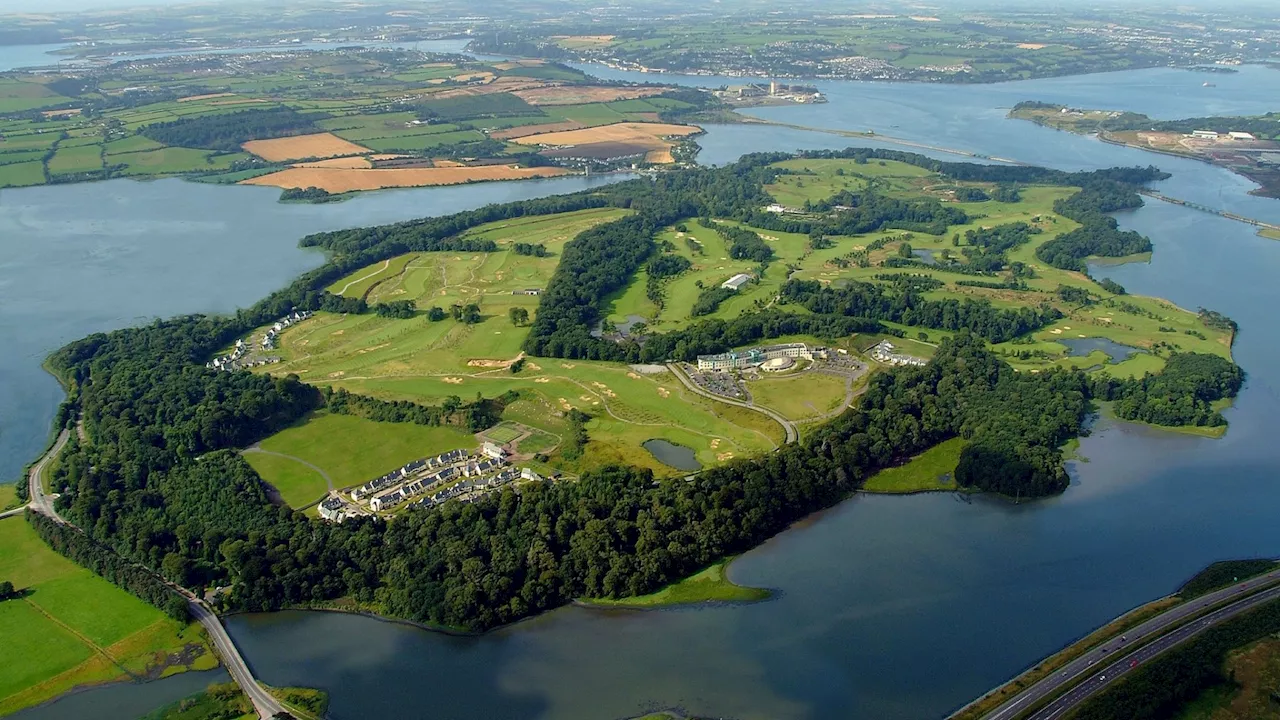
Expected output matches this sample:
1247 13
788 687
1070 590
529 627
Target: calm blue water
890 607
80 259
13 57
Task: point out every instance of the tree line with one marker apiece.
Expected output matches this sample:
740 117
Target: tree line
909 307
475 416
228 131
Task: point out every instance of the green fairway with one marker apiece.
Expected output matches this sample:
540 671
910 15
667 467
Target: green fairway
354 450
934 469
298 484
73 627
709 585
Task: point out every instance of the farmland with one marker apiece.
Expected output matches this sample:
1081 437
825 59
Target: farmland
340 180
399 119
74 628
320 145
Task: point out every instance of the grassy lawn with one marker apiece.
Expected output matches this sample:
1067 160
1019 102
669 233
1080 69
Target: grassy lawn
709 585
801 396
923 472
298 484
8 496
74 628
353 450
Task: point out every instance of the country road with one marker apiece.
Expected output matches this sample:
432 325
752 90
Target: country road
265 705
789 427
1158 634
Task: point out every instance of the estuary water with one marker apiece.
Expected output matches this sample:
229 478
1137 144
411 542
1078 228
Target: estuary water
80 259
888 607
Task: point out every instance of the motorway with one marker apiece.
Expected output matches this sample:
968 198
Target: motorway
265 705
789 427
1157 632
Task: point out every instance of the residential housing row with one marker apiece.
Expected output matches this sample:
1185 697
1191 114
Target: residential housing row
242 355
454 474
752 357
885 352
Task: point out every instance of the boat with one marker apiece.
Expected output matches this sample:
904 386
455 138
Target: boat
1208 84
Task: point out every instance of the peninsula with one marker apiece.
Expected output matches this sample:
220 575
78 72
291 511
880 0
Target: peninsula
405 429
1249 146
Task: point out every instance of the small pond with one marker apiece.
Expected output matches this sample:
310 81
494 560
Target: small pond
668 453
925 256
1081 347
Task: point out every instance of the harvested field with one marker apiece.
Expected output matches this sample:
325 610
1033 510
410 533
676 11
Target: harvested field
648 116
319 145
525 130
443 163
339 180
61 113
210 96
354 162
606 150
647 135
659 157
469 77
514 85
581 94
1031 46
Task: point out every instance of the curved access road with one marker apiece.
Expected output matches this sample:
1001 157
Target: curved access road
40 502
1087 675
265 705
789 427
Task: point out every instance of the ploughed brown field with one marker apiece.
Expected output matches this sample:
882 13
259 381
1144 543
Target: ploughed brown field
319 145
580 94
341 180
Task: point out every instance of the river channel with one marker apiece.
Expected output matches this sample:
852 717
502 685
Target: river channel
889 607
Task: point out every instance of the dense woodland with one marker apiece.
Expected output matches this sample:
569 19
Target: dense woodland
228 131
908 306
161 482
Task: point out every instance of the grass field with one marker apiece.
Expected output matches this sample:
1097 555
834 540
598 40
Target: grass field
8 496
709 585
73 628
934 469
85 158
298 484
354 450
801 396
22 174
